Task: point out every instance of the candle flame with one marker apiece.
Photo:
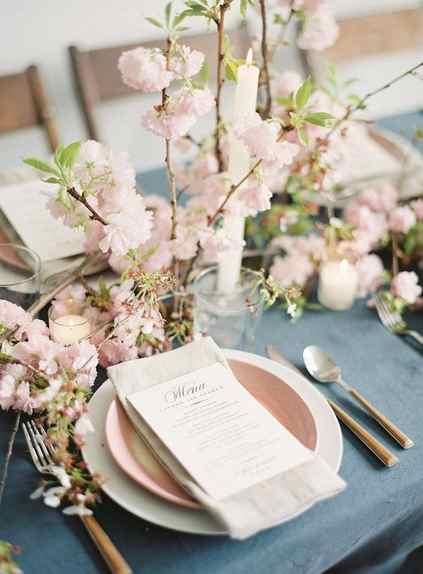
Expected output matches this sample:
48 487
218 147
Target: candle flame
249 58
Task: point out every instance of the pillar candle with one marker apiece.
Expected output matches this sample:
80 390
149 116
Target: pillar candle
239 164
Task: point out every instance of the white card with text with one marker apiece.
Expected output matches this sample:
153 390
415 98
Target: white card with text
225 439
25 206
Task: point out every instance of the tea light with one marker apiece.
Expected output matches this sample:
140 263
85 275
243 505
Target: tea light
69 329
338 282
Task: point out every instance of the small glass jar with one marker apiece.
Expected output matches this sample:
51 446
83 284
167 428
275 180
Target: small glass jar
20 274
231 319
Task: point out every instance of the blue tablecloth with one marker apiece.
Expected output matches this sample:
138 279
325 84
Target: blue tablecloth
374 527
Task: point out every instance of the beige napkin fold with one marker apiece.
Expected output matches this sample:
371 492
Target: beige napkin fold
256 508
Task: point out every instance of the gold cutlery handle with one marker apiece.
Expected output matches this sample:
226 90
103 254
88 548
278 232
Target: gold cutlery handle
384 422
114 559
377 448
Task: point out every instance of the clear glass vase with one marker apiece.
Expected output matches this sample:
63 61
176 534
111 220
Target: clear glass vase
20 274
230 318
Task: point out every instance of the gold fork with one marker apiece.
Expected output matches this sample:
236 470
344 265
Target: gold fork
42 452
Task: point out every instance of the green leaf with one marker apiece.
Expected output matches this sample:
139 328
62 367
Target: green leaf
53 180
303 137
178 19
154 22
303 94
58 154
319 119
231 70
243 7
40 165
286 102
168 10
69 154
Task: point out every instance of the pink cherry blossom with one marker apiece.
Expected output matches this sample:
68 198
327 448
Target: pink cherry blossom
405 285
253 198
370 274
261 139
167 124
374 224
186 62
7 391
12 316
402 219
94 233
195 102
319 30
145 69
180 114
418 208
128 229
292 270
113 352
382 199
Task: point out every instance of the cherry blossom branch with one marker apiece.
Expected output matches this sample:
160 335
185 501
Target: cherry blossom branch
220 77
168 152
361 103
8 456
264 71
94 214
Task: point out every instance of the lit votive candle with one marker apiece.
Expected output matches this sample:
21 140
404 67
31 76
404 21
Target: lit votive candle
69 329
338 282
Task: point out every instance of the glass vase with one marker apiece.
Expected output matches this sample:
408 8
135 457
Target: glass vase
231 319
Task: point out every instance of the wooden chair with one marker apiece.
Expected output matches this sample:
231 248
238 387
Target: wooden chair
97 78
23 104
370 35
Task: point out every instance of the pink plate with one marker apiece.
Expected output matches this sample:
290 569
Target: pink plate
135 458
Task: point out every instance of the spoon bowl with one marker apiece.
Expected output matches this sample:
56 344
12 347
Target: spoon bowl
320 365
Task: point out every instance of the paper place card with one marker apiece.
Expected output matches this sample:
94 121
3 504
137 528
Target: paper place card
24 205
217 430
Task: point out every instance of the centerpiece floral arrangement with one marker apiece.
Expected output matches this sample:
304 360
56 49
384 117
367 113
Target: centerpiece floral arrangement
157 246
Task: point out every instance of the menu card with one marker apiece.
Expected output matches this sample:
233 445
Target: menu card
24 205
224 438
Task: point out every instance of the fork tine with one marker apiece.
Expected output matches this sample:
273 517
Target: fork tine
40 441
36 444
382 312
393 318
47 441
34 455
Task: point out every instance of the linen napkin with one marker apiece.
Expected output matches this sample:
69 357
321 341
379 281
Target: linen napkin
263 505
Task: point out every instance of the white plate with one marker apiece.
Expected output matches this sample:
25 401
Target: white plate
142 503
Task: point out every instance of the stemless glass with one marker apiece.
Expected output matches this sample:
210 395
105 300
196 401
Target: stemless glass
20 274
231 319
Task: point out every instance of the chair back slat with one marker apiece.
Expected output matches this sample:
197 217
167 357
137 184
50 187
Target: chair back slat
23 104
378 34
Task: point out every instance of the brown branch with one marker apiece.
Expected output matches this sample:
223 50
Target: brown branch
168 152
94 215
220 78
9 455
264 71
359 105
